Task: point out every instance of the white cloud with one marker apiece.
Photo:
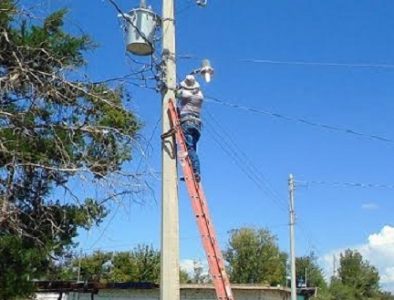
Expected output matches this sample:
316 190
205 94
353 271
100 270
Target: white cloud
378 250
388 277
188 265
369 206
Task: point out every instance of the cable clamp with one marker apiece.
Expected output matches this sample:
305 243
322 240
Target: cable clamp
167 134
167 19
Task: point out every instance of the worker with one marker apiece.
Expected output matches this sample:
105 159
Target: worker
189 104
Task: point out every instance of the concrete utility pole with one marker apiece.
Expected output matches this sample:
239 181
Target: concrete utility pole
334 266
169 277
292 243
79 266
306 277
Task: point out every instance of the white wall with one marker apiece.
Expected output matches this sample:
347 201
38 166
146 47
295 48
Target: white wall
49 296
186 294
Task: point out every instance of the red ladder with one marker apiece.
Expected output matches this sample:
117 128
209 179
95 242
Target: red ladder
200 208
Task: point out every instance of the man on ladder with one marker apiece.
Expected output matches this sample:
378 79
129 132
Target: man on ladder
189 104
186 126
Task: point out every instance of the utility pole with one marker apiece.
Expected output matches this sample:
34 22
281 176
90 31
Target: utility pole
79 265
169 277
306 277
334 266
292 243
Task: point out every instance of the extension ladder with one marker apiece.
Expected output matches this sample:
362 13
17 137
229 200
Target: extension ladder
200 207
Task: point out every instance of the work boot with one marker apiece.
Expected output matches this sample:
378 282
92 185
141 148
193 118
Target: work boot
197 177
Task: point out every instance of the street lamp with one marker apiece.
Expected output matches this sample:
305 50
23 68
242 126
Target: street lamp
206 70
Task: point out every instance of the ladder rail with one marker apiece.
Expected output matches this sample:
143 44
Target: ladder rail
201 211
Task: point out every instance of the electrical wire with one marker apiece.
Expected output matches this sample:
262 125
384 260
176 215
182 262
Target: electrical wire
244 164
347 184
185 8
147 72
148 144
312 243
105 228
319 64
244 157
304 63
119 10
301 121
309 238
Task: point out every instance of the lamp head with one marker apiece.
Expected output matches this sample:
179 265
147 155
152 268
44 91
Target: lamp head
206 70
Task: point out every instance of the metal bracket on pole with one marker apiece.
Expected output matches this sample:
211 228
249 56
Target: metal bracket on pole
202 2
169 133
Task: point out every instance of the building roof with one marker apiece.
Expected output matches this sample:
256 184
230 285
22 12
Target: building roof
307 291
237 287
67 286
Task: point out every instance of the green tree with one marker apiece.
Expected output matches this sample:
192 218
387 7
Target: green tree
199 276
142 264
62 268
52 129
253 256
385 296
94 267
323 294
184 276
356 279
309 272
17 262
340 291
147 262
124 268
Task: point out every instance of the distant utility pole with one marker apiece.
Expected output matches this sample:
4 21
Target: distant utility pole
169 277
306 277
79 266
334 266
292 242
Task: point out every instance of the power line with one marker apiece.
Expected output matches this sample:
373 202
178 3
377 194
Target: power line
119 10
348 184
185 8
301 121
244 158
254 174
105 228
144 152
319 64
140 75
246 166
304 63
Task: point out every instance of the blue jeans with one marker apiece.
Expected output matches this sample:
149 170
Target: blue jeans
191 130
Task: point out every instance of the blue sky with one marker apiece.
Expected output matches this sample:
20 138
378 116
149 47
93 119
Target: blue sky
329 217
